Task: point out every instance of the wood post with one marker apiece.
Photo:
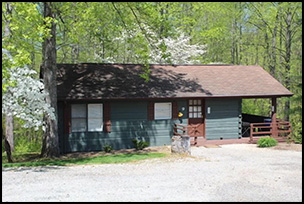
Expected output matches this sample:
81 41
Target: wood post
174 110
274 132
107 117
251 133
67 118
151 111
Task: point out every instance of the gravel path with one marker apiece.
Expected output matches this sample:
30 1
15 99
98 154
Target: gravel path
240 172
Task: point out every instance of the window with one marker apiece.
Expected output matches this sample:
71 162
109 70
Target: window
87 117
162 111
79 117
195 108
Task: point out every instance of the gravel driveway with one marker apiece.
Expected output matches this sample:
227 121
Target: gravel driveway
240 172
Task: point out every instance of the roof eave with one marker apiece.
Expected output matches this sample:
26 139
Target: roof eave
182 97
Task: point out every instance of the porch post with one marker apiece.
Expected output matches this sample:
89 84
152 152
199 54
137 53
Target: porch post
274 132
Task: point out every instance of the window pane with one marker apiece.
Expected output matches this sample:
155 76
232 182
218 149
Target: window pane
190 102
162 111
79 111
95 124
95 110
95 117
190 115
78 120
199 108
195 108
199 115
190 108
194 102
198 102
194 115
79 125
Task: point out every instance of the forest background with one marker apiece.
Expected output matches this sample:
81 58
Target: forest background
268 34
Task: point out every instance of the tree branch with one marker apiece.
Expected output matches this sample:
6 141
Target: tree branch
261 16
121 18
141 28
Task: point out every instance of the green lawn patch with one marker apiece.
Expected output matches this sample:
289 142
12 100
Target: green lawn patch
103 159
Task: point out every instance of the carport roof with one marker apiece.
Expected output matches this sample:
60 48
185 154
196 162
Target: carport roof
123 81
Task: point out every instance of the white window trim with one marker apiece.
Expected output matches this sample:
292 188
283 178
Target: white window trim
156 114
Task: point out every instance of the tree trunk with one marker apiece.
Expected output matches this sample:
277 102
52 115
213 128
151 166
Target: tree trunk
273 50
7 148
9 130
280 76
266 53
9 118
287 62
7 29
50 142
74 53
241 34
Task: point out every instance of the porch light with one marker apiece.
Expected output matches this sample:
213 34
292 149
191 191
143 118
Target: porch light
180 114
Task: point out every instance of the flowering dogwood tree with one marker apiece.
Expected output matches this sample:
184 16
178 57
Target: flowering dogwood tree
177 50
25 97
140 44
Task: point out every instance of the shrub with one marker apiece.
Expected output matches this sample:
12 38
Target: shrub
267 142
107 148
139 145
297 137
24 144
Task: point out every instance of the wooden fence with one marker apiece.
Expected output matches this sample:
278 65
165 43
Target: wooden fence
276 130
182 128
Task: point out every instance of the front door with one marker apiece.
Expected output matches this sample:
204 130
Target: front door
196 122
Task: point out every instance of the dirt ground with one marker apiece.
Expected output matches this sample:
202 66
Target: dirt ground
290 146
167 149
225 173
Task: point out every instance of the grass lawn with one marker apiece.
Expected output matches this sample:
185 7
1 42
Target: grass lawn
32 159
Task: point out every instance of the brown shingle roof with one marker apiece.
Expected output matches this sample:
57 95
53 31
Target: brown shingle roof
117 81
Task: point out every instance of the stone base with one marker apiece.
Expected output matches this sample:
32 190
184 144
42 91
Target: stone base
180 145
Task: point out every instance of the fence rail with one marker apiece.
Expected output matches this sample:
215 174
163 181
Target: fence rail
184 129
177 127
278 129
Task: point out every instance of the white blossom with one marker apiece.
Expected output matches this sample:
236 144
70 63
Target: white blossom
172 50
26 98
177 50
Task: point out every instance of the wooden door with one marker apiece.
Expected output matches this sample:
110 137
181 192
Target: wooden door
196 121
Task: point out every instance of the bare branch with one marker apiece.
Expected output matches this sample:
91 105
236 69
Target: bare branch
261 16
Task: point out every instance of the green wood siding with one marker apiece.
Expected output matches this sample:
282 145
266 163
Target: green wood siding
224 120
129 120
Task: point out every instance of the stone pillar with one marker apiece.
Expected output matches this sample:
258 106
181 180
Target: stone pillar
180 145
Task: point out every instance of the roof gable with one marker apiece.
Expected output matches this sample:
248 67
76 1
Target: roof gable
118 81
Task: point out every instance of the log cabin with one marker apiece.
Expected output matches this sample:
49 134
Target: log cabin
111 104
